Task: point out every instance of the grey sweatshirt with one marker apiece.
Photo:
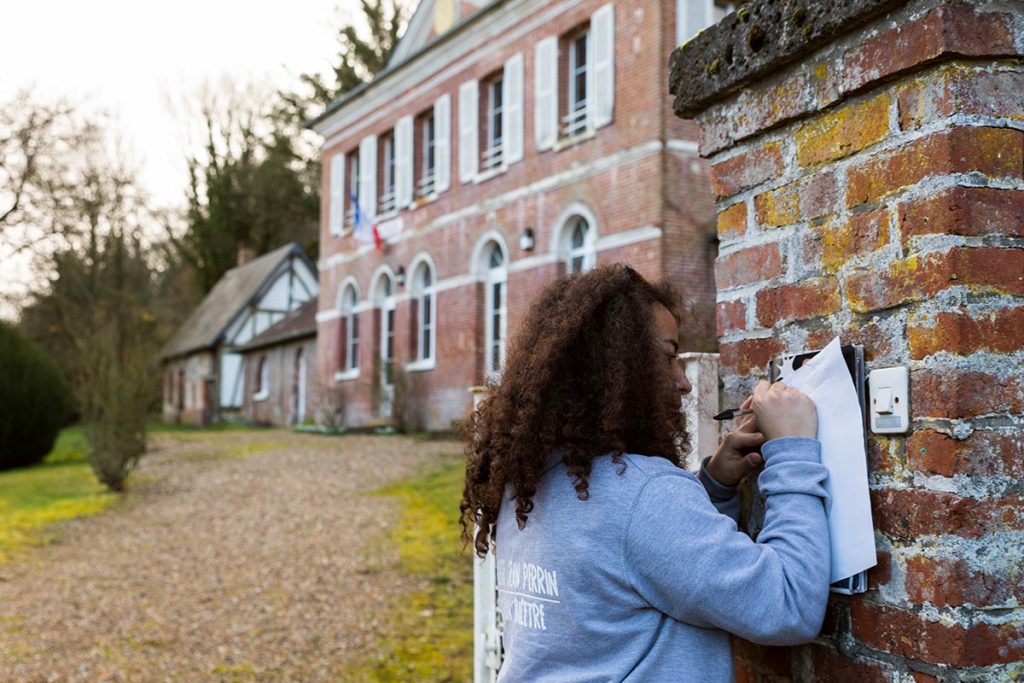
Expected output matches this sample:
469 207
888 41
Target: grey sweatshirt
645 579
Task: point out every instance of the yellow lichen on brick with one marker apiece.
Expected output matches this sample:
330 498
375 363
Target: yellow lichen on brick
841 133
777 207
732 222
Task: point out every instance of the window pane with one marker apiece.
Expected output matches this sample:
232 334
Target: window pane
497 258
496 295
427 305
580 46
576 265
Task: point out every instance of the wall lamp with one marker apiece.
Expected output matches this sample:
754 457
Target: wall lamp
400 276
526 241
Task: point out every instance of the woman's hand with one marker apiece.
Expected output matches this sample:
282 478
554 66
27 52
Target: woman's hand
738 453
784 411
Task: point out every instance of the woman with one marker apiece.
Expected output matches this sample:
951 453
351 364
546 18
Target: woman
614 563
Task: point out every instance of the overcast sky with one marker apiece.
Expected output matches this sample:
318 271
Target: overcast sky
128 57
123 55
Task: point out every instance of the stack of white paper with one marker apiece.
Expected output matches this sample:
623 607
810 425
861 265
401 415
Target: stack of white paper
826 379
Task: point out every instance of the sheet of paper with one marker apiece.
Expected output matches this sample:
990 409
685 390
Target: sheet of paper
826 379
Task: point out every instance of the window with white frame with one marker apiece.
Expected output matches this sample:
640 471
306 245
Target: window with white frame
426 152
496 282
424 312
494 120
349 346
386 301
574 121
262 378
579 246
388 200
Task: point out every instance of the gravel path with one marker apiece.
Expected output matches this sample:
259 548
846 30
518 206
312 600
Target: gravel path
241 556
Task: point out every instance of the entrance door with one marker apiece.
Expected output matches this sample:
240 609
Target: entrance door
386 300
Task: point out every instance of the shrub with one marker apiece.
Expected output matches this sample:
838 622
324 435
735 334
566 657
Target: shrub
34 401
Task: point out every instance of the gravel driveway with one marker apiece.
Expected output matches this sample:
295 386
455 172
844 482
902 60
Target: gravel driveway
240 556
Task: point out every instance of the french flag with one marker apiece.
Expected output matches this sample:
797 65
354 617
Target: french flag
364 229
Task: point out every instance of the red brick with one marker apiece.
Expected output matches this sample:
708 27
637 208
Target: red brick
745 266
881 573
732 222
830 665
958 89
995 152
970 211
731 316
920 677
963 393
746 170
984 453
944 30
981 270
778 207
907 634
876 341
800 301
999 330
862 233
880 457
741 357
910 513
840 133
818 196
952 582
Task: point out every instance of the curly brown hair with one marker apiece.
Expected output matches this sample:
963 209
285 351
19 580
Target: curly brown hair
583 376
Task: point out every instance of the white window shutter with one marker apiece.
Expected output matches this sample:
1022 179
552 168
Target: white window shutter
601 99
545 93
512 112
442 143
336 213
403 162
692 17
469 138
368 176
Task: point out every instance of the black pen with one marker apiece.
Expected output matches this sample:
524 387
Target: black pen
732 413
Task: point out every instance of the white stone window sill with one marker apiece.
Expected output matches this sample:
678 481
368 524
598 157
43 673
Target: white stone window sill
421 365
261 396
347 375
491 173
567 142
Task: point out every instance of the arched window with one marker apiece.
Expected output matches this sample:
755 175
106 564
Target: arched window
578 245
424 312
496 282
349 337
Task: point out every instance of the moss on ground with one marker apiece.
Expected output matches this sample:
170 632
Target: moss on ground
61 487
429 634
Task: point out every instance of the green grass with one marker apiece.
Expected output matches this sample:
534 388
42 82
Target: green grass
429 636
62 487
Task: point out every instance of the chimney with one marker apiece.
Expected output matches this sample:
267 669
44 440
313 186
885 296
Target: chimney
246 251
868 162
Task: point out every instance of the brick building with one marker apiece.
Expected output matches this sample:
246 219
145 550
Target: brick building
868 163
504 143
204 378
279 366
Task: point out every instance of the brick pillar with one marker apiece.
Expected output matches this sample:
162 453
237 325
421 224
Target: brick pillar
868 162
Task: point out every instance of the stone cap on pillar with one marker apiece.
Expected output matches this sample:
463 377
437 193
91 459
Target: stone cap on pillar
758 39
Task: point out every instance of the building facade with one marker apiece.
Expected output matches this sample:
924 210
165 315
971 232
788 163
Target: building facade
279 365
504 144
204 377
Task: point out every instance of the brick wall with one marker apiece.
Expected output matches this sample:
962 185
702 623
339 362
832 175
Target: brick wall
279 406
868 164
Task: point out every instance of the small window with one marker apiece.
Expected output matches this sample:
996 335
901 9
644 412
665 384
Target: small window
426 154
352 164
493 154
387 202
575 47
262 378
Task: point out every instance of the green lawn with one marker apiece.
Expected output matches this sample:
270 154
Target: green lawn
62 487
429 636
